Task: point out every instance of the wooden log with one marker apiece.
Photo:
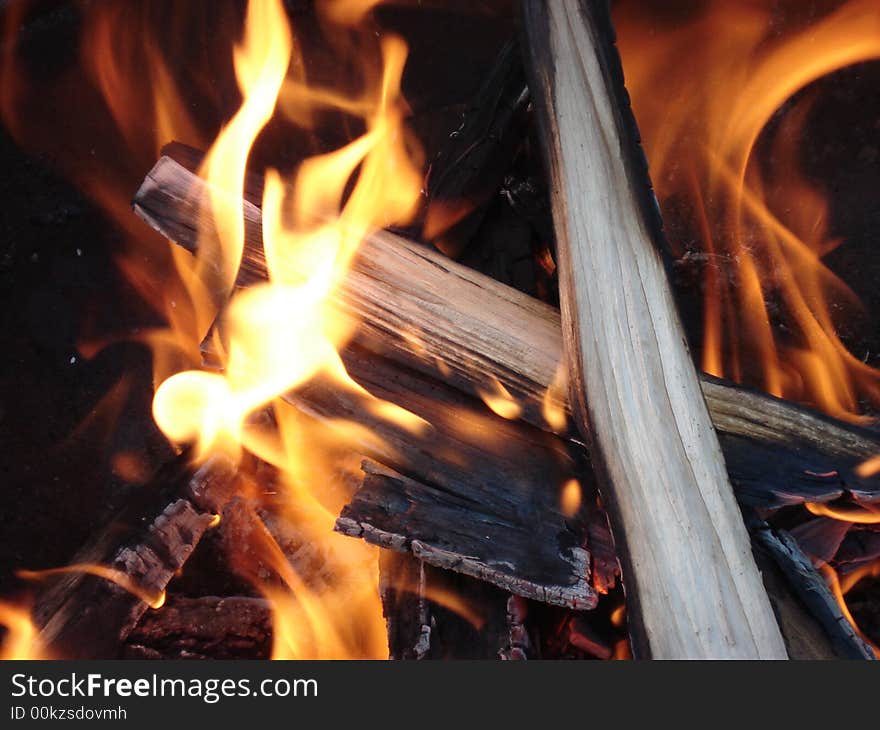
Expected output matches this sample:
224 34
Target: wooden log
471 472
210 627
470 165
83 616
693 590
805 582
493 541
424 311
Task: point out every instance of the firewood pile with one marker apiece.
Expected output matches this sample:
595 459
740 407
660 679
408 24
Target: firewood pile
606 478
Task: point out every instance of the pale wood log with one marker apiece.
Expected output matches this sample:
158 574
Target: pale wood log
693 589
427 312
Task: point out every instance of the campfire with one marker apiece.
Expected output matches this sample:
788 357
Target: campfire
437 369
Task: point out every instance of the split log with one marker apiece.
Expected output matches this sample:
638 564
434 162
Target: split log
493 541
424 311
82 616
476 493
693 589
210 627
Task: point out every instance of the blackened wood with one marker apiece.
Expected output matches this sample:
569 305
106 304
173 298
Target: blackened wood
470 166
429 313
209 627
693 589
402 585
468 617
471 467
812 590
493 541
82 616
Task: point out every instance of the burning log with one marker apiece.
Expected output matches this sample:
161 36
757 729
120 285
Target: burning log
490 542
236 627
424 311
84 616
476 485
838 638
421 310
692 585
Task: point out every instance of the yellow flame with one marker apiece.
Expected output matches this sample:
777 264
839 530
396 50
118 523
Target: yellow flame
284 333
571 497
553 403
500 401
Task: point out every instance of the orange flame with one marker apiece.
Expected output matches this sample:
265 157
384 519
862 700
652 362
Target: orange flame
500 401
863 516
869 468
136 58
120 578
701 122
22 638
571 497
840 586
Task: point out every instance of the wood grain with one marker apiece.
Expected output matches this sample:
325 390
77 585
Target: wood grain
693 588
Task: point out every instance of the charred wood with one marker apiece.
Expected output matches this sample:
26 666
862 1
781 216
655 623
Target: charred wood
211 627
82 616
469 168
490 541
812 591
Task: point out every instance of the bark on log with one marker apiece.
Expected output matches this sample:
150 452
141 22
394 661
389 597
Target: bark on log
210 627
693 589
82 616
424 311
